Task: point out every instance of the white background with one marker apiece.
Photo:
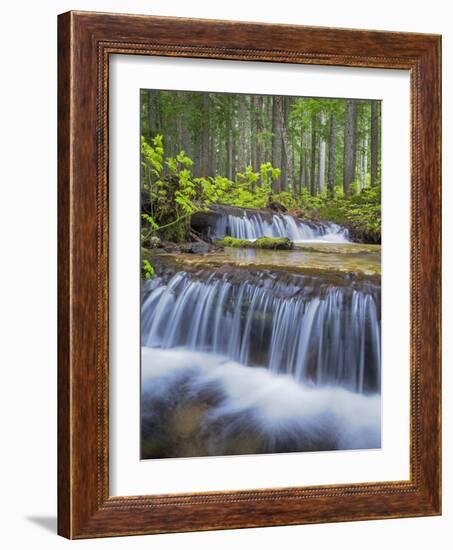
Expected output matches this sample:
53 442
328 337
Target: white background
28 289
129 476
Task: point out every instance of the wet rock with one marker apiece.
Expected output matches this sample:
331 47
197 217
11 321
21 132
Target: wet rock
364 236
154 241
195 248
204 222
276 206
170 247
200 248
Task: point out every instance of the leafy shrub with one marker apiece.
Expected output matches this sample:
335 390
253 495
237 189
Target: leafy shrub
147 270
171 194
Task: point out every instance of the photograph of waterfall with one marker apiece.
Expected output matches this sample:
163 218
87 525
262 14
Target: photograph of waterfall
260 274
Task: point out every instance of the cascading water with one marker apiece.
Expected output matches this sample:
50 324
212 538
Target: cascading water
252 226
197 404
318 333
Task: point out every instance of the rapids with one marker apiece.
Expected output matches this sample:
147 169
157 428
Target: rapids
199 404
251 226
317 333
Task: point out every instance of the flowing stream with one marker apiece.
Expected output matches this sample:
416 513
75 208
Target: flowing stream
252 226
197 404
247 351
319 334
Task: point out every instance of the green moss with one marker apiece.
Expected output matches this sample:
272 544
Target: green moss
278 243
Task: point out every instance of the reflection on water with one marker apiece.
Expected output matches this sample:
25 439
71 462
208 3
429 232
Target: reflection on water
344 258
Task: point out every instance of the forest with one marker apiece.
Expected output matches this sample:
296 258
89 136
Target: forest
319 158
261 274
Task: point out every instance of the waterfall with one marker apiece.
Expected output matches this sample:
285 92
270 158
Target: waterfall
234 409
318 333
252 226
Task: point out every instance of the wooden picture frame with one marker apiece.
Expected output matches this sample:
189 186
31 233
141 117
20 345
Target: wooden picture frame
85 41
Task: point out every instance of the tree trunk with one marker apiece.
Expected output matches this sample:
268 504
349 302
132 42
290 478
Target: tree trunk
313 190
229 130
212 150
332 144
289 180
302 181
374 141
186 144
205 137
242 133
268 121
277 139
306 167
253 131
349 163
361 175
179 122
365 157
212 159
322 156
153 112
284 159
257 131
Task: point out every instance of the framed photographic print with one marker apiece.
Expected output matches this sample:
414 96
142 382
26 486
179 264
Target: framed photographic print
249 275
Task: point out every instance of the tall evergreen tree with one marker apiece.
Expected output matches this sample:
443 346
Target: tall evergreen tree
313 182
313 142
374 125
349 159
332 146
277 140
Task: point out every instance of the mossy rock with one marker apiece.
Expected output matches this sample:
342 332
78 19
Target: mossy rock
279 243
269 243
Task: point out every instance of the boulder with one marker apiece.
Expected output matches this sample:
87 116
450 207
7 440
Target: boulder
278 207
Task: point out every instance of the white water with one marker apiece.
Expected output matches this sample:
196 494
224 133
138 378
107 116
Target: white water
319 334
253 226
246 410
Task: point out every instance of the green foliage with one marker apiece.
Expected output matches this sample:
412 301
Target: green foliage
150 221
270 243
171 194
214 189
147 270
152 156
361 212
251 189
224 132
269 174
